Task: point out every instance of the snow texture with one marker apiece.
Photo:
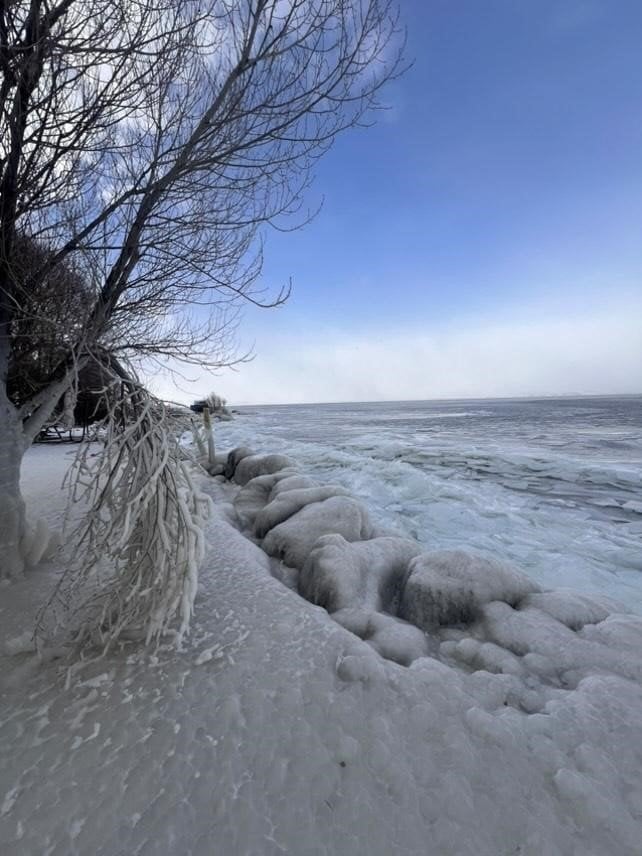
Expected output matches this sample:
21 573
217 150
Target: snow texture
281 729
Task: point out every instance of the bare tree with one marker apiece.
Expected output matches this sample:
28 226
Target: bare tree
147 142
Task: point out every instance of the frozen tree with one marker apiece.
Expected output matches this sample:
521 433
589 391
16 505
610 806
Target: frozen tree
214 402
146 143
142 538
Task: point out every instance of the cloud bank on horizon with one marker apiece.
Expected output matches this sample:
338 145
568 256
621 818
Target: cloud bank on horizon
596 353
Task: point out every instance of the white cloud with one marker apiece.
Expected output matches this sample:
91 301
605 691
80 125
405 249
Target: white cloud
596 353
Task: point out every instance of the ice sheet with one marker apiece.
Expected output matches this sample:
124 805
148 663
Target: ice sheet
551 487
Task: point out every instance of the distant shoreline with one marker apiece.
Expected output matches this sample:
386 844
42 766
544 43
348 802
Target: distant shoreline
568 397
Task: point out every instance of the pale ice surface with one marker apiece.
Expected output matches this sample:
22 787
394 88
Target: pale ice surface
513 726
552 487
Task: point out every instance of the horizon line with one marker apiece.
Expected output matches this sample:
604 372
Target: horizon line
542 397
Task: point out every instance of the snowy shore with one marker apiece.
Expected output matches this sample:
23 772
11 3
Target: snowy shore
277 730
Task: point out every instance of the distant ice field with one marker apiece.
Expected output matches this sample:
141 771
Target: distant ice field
553 486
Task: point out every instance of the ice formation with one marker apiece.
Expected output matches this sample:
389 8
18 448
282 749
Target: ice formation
451 586
251 466
339 574
234 458
278 729
253 496
286 503
522 660
550 489
469 611
293 540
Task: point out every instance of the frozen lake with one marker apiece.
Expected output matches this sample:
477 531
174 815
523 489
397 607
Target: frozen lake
552 485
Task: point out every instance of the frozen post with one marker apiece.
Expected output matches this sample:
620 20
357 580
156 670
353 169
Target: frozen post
210 436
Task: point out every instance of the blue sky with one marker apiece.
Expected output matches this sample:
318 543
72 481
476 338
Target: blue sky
485 237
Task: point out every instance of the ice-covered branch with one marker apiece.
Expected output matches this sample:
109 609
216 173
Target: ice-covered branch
140 542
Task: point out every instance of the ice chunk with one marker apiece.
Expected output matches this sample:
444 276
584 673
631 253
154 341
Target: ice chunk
252 466
358 664
486 656
449 587
572 608
339 574
530 631
290 502
390 637
396 640
217 467
294 539
620 632
252 498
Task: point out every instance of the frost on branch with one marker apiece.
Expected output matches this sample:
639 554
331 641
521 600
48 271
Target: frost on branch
139 543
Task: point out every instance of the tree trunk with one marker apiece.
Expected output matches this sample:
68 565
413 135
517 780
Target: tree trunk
13 526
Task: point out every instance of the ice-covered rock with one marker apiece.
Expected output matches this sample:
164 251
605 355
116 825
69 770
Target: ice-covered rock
572 608
559 654
356 619
233 459
293 540
217 467
486 656
368 573
450 587
390 637
396 640
251 466
254 496
621 632
295 481
289 502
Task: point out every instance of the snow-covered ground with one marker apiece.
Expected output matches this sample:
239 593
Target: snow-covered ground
517 730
